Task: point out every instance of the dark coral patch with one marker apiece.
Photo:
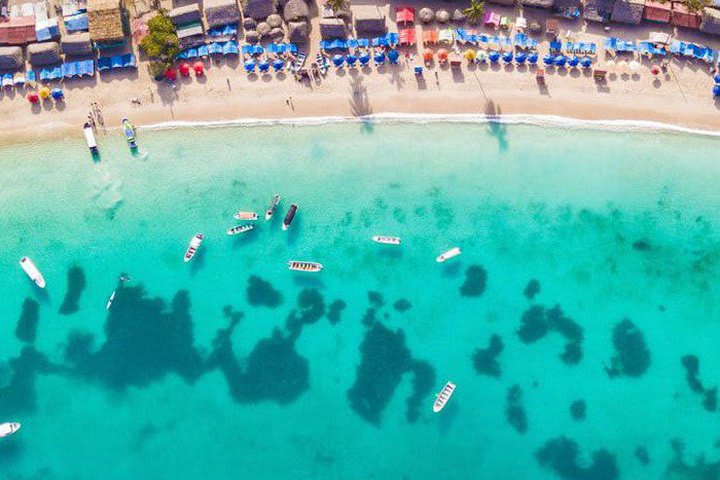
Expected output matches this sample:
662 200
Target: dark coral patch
514 410
561 456
485 359
531 289
691 364
335 310
78 347
578 410
260 292
632 357
533 326
423 381
26 329
641 245
20 394
475 281
76 285
536 322
642 455
402 305
678 468
376 299
311 307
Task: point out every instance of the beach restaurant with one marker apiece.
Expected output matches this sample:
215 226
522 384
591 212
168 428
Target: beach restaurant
105 23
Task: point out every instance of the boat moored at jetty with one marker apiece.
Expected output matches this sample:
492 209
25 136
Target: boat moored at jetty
8 428
302 266
453 252
386 240
272 207
442 398
193 247
240 229
90 138
246 215
32 271
129 131
289 216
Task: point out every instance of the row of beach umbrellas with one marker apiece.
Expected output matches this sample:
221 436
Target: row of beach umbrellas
197 67
45 93
264 65
507 57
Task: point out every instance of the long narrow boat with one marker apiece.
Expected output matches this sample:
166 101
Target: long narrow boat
289 216
453 252
90 138
387 240
129 131
110 300
246 215
272 207
304 266
32 271
443 397
240 229
8 428
193 247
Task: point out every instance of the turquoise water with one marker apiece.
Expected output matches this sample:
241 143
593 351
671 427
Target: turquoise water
192 375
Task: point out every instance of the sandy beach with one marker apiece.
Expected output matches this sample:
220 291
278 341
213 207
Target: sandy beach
681 96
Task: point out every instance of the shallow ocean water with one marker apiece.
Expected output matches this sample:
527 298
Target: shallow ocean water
233 365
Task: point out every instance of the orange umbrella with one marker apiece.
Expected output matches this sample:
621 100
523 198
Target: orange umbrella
199 68
184 69
428 55
442 54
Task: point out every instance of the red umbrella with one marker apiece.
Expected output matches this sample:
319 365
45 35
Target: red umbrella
170 74
428 55
184 69
442 54
199 68
33 97
655 70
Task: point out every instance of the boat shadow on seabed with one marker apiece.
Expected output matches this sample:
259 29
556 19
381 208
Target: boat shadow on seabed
447 417
198 262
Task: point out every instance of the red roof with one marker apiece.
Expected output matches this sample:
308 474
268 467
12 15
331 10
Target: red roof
682 17
657 12
405 15
18 31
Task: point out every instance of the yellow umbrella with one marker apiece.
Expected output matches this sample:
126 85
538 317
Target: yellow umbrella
44 93
469 55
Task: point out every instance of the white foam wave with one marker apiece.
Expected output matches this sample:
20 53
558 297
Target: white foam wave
551 121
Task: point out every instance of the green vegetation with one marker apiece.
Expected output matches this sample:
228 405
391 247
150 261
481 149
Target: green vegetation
337 5
161 44
475 11
696 5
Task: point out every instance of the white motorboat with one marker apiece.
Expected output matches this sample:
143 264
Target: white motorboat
110 300
442 398
246 215
453 252
8 428
272 207
386 240
193 247
90 138
32 271
240 229
289 216
304 266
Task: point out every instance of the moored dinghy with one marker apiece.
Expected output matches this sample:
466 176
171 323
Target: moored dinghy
240 229
8 428
32 271
386 240
442 398
90 138
304 266
272 207
289 216
246 215
193 247
129 131
453 252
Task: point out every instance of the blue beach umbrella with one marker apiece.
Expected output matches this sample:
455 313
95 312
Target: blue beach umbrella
264 65
364 58
560 60
380 57
716 91
586 62
278 64
338 60
493 56
573 61
350 59
533 58
57 94
249 66
393 56
520 57
717 78
507 57
548 59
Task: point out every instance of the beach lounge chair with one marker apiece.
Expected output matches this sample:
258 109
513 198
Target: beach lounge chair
203 51
299 62
491 19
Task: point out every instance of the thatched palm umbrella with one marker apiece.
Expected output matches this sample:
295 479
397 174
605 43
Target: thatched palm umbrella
442 16
426 15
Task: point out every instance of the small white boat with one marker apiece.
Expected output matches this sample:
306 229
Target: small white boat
8 428
32 271
442 398
90 138
304 266
272 207
453 252
246 215
110 300
387 240
194 245
289 216
240 229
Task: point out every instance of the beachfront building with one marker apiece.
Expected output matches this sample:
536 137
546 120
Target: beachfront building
18 31
46 53
369 21
105 22
219 13
76 44
11 59
188 22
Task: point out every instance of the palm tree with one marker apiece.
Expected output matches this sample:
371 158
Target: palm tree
337 5
475 11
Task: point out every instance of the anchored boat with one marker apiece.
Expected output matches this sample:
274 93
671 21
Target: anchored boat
90 138
240 229
442 398
304 266
129 131
289 216
246 215
8 428
193 247
387 240
272 207
32 271
453 252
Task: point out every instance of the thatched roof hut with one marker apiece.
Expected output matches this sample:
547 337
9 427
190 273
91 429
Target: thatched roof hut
628 11
105 20
259 9
221 12
296 10
185 15
332 28
426 15
76 44
710 21
298 32
11 58
46 53
369 20
598 10
537 3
